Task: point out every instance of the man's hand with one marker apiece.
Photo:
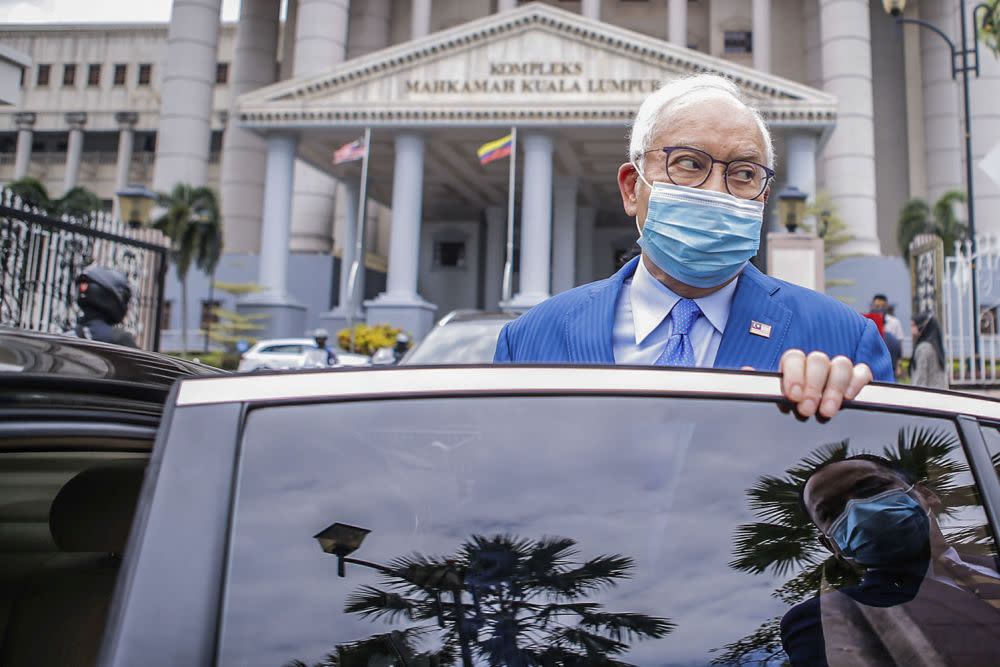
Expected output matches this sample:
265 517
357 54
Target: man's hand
814 382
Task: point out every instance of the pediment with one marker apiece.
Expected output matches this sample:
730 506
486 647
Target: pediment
537 65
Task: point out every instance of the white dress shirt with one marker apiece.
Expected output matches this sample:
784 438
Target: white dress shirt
643 326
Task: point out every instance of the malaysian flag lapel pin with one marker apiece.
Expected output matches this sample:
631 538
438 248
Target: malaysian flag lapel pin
760 329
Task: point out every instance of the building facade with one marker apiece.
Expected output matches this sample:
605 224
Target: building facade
861 110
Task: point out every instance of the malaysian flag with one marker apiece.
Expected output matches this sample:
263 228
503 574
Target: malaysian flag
354 150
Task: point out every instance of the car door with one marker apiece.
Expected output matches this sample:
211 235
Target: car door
557 516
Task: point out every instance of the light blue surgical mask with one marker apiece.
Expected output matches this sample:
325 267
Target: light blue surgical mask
700 237
889 528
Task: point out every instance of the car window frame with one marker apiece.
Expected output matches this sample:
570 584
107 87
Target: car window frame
203 644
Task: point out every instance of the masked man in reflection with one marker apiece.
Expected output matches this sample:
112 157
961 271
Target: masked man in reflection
699 171
920 601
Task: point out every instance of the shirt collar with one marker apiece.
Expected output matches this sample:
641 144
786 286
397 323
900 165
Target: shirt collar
652 301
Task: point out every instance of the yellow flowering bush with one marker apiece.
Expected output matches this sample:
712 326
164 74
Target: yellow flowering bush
367 338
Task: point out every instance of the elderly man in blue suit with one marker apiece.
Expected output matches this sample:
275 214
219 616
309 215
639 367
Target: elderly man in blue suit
699 171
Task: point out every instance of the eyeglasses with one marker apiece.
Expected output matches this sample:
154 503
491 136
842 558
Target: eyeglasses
692 167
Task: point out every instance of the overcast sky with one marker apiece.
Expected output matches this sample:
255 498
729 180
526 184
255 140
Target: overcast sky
101 11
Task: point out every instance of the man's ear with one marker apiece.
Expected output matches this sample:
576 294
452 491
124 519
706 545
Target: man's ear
628 184
932 499
767 192
826 542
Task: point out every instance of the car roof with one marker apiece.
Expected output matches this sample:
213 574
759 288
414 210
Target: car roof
40 355
475 315
506 379
285 341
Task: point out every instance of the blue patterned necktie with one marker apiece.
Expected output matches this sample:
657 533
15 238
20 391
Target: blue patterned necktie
679 351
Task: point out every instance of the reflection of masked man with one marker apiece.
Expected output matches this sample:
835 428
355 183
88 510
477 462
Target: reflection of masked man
920 602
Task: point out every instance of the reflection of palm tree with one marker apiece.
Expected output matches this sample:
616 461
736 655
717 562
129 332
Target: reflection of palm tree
504 601
784 539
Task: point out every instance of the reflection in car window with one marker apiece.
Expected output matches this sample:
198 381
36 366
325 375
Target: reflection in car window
992 436
586 530
282 349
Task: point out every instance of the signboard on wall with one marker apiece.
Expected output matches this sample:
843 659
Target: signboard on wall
927 274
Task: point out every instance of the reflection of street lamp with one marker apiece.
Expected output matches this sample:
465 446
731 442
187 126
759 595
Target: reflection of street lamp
963 61
135 203
791 207
341 540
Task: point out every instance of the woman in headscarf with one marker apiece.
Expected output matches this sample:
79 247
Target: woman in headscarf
927 366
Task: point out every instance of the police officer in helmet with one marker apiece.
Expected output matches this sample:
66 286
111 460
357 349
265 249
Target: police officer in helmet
103 295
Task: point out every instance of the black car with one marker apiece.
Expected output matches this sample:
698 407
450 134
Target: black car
523 515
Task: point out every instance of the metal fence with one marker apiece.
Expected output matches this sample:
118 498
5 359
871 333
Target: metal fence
41 257
962 336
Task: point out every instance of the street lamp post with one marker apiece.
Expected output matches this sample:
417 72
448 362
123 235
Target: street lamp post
963 61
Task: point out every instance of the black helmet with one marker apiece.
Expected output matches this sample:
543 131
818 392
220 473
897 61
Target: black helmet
104 290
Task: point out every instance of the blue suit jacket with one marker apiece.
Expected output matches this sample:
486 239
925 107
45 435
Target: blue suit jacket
576 326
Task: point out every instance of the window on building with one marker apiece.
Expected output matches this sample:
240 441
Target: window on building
94 74
43 75
209 318
738 41
166 311
222 73
145 74
69 75
449 254
121 71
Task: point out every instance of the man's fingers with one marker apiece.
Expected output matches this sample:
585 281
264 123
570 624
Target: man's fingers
837 383
861 375
793 374
817 370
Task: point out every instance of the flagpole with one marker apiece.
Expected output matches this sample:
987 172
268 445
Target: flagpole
359 242
508 267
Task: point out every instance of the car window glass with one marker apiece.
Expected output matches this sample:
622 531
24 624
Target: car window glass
991 433
459 343
583 530
282 349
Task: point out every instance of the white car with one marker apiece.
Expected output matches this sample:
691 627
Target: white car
277 354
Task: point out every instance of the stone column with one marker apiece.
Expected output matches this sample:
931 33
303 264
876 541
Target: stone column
506 5
74 149
762 35
243 152
536 222
564 233
849 154
320 44
24 121
369 27
285 317
942 102
984 103
496 256
184 137
677 22
126 135
420 18
400 304
591 9
586 220
914 80
288 40
800 161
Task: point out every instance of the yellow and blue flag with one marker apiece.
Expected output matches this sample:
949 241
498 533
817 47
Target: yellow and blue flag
495 150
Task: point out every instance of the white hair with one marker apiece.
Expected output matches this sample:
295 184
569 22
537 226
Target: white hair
683 92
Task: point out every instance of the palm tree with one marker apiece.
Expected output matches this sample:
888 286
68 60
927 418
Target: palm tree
785 540
503 600
78 202
192 223
918 218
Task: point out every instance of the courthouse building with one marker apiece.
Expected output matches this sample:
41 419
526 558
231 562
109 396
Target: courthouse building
861 110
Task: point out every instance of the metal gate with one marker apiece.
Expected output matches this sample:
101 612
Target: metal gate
41 257
962 336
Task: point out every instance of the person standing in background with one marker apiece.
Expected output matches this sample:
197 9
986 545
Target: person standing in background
927 366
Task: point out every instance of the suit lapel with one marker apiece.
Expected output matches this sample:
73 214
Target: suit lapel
590 326
753 302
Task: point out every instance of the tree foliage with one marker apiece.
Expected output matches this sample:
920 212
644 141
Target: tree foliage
78 202
501 600
918 217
